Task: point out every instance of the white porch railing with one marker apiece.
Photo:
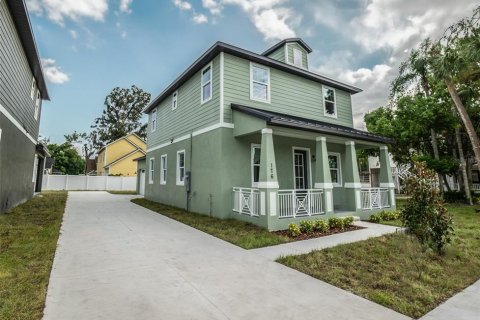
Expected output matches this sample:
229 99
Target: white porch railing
374 198
298 203
245 201
476 186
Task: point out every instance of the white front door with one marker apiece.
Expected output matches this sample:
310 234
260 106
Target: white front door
142 182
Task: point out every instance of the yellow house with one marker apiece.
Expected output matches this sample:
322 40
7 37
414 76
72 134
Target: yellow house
116 158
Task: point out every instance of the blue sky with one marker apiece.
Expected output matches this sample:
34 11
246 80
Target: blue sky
89 47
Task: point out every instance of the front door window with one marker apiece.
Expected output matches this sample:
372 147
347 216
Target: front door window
300 169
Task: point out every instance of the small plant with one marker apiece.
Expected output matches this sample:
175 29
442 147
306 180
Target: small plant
347 221
293 230
306 226
320 226
389 215
375 218
335 223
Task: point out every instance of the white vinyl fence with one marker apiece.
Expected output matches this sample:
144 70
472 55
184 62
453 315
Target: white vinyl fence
67 182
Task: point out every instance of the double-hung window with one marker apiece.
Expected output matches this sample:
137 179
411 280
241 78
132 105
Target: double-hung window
329 102
153 120
32 89
174 100
37 105
335 168
259 83
181 167
163 169
151 170
255 165
206 88
297 57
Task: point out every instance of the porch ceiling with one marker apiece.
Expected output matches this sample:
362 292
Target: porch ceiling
292 122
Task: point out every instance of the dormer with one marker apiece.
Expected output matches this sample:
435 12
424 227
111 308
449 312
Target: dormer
292 51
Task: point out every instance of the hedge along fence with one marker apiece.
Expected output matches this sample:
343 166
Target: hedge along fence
71 182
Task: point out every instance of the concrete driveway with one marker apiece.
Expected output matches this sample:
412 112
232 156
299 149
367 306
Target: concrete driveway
117 260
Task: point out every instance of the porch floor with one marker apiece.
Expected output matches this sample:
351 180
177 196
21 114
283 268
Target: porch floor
306 246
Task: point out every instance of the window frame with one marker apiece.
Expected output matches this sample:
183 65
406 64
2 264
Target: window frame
296 50
180 182
339 169
153 120
33 88
163 169
35 168
151 170
175 100
202 84
325 113
252 97
252 165
37 105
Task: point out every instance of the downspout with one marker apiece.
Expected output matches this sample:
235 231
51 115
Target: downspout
189 186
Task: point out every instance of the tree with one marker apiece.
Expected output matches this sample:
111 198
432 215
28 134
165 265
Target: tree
89 142
67 159
122 114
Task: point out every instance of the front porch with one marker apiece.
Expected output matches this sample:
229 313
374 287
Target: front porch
301 175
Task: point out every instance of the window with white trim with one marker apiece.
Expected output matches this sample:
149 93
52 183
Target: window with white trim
181 167
297 57
259 83
35 168
329 102
163 169
153 121
206 87
174 100
255 164
37 105
33 88
335 168
151 170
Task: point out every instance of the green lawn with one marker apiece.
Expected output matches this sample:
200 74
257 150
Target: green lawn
242 234
28 239
122 192
395 271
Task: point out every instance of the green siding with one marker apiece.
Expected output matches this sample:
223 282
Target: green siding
278 54
290 94
295 45
190 113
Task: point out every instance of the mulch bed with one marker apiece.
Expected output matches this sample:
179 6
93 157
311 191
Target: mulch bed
305 236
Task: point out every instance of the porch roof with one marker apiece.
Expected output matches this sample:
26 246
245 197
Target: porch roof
283 120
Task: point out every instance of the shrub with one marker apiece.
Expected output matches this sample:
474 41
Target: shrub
293 230
335 223
424 214
347 221
306 226
375 218
320 226
386 215
454 196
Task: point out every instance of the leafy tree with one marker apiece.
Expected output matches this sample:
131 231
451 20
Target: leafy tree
89 142
67 159
122 114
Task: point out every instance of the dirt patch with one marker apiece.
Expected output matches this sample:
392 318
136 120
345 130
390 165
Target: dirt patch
316 234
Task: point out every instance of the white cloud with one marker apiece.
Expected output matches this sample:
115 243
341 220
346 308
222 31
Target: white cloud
213 6
73 34
182 5
58 10
54 73
199 18
125 6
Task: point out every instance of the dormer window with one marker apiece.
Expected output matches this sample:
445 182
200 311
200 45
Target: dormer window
297 57
174 100
329 102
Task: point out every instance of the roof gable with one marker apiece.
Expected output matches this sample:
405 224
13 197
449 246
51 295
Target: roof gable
302 43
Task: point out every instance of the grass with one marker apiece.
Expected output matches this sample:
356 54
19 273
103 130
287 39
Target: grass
122 192
28 239
395 271
242 234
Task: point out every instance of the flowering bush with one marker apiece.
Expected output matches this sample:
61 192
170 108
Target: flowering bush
293 230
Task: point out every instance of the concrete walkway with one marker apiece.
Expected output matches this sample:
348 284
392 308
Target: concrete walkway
117 260
306 246
462 306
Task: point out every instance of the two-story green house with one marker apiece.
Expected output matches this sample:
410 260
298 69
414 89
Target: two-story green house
259 137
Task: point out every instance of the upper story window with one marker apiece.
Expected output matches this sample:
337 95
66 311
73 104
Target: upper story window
181 167
255 165
33 88
207 83
163 169
154 120
329 102
335 168
151 170
297 57
259 83
174 100
37 105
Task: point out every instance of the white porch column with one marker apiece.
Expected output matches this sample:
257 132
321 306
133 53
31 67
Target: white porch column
386 176
351 175
323 179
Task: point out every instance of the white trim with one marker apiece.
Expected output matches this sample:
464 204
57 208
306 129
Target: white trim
175 99
179 182
329 200
16 123
309 165
194 134
273 203
37 105
321 139
151 170
35 169
267 130
340 177
222 106
323 185
349 143
262 203
267 185
334 103
353 185
153 119
163 176
210 65
286 52
392 197
252 154
252 64
383 148
358 199
387 185
33 88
